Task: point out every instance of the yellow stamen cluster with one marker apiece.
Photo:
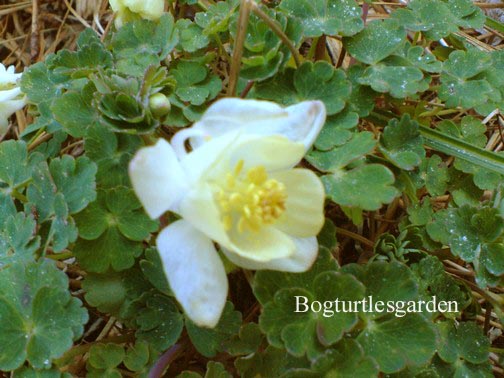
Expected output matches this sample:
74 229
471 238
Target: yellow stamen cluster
250 200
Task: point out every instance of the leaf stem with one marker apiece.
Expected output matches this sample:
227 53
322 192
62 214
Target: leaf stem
238 47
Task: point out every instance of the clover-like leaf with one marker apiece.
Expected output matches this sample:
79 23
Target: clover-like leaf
439 18
337 130
214 370
466 229
142 43
361 144
40 319
191 35
137 357
436 282
466 341
331 17
160 322
311 81
460 85
111 153
435 174
247 341
397 342
208 341
17 238
402 143
272 362
366 187
399 81
15 169
377 41
104 359
216 18
346 360
301 320
109 230
27 372
90 57
152 268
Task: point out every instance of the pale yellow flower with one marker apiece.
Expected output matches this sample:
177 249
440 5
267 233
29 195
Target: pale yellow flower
239 189
126 9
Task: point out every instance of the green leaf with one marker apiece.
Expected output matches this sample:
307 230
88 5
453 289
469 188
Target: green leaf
401 143
466 341
435 174
74 178
377 41
142 43
460 85
194 83
366 187
399 81
346 360
111 153
439 18
300 330
326 17
40 317
436 282
152 268
361 144
26 372
17 239
327 236
75 111
109 230
312 81
15 169
397 342
106 292
191 35
160 323
466 229
337 130
137 356
209 341
214 370
272 362
104 359
246 342
216 19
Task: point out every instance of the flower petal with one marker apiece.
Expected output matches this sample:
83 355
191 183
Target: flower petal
263 245
7 108
304 208
195 272
148 9
300 261
157 178
199 208
300 123
272 152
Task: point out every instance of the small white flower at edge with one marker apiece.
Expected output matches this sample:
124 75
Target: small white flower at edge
11 97
238 188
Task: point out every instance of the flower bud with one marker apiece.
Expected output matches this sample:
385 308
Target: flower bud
159 104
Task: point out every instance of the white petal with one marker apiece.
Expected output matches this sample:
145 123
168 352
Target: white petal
195 272
7 75
9 94
148 9
300 261
7 108
158 178
199 208
300 123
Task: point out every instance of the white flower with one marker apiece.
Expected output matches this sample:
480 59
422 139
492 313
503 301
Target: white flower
11 97
147 9
240 190
300 123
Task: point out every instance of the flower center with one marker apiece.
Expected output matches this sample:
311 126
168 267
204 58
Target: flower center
250 200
